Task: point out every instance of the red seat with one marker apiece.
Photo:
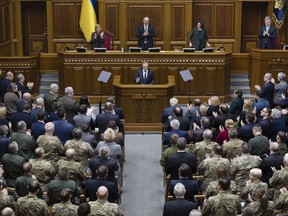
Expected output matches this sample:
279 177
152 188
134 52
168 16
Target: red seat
108 40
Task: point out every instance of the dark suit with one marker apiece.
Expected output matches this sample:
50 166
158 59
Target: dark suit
178 207
92 186
37 129
266 127
23 88
245 132
4 84
166 140
142 39
110 162
267 42
191 187
118 111
21 116
97 41
184 123
259 105
174 161
236 106
220 120
268 92
4 142
277 125
20 105
102 120
149 79
63 130
168 111
273 160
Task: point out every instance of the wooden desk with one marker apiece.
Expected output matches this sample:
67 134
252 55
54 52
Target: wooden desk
211 72
145 100
263 61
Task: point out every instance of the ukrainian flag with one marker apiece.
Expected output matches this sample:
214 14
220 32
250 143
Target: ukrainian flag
279 13
88 19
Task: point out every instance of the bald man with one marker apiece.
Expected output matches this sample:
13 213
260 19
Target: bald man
101 205
145 34
7 212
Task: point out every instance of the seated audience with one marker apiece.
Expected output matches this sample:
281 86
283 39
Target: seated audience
178 114
65 207
169 151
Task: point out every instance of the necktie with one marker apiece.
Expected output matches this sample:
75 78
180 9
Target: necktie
145 75
145 28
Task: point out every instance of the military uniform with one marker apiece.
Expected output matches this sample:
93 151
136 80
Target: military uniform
240 168
83 150
6 201
258 209
43 171
209 167
279 180
64 209
31 206
282 203
232 149
223 203
104 208
251 189
12 164
21 184
52 146
213 188
201 149
26 144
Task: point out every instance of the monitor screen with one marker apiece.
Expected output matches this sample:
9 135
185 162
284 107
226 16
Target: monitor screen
210 49
188 49
135 49
155 49
81 49
100 49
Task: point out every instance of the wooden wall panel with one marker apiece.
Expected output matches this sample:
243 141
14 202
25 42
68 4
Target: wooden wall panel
112 14
178 13
224 20
5 37
136 13
65 20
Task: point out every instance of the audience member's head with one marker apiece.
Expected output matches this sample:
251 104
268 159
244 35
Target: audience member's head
173 101
27 97
85 128
281 76
77 133
3 130
179 190
223 108
175 124
248 211
13 147
102 193
109 135
12 87
27 167
245 149
102 172
70 153
84 100
3 111
84 209
39 102
203 110
178 111
54 88
108 107
275 114
7 212
229 123
41 115
173 139
205 122
181 143
69 91
9 75
110 99
222 172
207 135
195 212
82 109
61 113
39 152
224 183
232 133
197 102
63 173
285 160
248 105
238 92
33 187
49 127
255 174
274 147
281 137
261 195
250 117
184 171
256 130
214 101
104 151
65 195
27 107
113 125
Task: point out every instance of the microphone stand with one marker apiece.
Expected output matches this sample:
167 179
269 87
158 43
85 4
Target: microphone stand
189 81
100 102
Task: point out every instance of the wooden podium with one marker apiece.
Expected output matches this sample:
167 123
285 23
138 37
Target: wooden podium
143 103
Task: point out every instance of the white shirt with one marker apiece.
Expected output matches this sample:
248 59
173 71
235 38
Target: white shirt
145 74
145 27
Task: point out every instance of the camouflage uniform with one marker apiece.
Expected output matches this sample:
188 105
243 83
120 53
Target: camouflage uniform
31 206
232 149
209 166
52 146
240 168
64 209
201 149
223 203
43 171
258 209
83 150
279 180
251 189
213 188
282 203
76 171
6 201
104 208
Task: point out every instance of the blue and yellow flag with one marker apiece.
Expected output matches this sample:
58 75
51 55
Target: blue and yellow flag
88 19
279 13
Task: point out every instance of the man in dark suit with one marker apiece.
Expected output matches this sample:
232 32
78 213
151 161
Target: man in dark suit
117 110
24 116
267 35
273 162
191 186
22 88
219 120
4 140
178 114
144 75
145 34
104 159
174 161
4 84
175 130
38 128
92 185
26 99
179 206
63 129
102 119
245 133
168 111
267 89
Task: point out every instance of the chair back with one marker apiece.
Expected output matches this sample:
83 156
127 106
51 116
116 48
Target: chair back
108 40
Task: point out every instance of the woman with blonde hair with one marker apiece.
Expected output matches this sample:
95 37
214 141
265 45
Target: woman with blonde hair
214 104
223 135
3 120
